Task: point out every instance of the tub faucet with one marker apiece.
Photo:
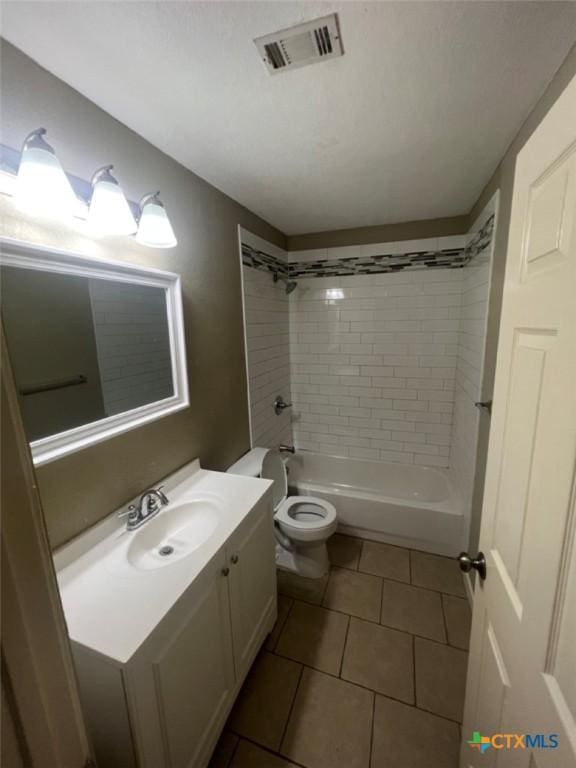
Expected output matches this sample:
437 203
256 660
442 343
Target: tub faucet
150 503
286 449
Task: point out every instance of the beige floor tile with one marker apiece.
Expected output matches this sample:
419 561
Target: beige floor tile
314 636
435 572
355 593
309 590
385 560
262 708
330 724
406 737
458 620
440 678
224 750
250 756
344 551
379 658
414 610
284 605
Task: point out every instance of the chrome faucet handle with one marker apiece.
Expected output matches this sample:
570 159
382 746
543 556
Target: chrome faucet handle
149 501
287 449
163 498
130 512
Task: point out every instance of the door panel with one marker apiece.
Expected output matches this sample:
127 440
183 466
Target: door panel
251 557
522 671
193 672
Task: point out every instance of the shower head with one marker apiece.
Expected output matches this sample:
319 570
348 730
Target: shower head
290 284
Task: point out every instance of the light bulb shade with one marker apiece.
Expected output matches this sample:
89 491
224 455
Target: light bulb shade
42 187
155 228
109 213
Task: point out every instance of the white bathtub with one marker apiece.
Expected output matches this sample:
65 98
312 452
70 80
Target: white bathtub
410 506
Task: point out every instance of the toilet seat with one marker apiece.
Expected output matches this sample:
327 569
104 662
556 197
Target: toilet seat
318 518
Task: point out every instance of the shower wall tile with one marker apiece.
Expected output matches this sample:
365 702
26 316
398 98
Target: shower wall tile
372 358
266 310
470 354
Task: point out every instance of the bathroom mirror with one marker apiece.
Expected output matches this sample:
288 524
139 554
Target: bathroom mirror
96 346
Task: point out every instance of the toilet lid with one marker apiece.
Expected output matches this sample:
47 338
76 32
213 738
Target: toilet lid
273 469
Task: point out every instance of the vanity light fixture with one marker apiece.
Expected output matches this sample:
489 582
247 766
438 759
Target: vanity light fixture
109 212
154 228
42 187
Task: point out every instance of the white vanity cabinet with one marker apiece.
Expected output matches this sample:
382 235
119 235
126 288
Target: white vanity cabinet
165 707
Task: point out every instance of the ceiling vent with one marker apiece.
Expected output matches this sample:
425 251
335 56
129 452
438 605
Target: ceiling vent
299 46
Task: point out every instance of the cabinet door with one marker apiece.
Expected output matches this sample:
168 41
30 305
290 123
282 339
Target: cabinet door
252 581
193 670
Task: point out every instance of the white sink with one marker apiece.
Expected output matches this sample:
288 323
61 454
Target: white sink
174 533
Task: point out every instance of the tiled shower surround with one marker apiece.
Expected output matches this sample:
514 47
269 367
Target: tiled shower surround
373 360
266 311
471 342
381 340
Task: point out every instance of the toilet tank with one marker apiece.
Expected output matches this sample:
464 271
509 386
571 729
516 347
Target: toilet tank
267 463
249 465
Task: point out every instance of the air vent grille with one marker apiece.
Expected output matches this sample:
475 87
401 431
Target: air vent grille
299 46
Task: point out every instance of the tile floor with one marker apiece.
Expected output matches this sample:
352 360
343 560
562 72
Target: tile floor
364 669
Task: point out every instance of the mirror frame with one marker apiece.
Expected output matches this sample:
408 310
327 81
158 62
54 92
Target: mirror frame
27 255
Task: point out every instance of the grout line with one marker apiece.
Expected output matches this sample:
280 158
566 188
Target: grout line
372 731
363 687
399 581
233 755
381 601
414 670
371 621
345 644
325 589
445 621
268 750
281 628
291 707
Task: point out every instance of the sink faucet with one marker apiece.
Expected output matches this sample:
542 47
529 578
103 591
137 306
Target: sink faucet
150 503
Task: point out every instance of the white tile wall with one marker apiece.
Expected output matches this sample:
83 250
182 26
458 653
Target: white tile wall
384 366
131 330
471 346
266 310
373 362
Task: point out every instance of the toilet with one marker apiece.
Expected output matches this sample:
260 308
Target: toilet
302 524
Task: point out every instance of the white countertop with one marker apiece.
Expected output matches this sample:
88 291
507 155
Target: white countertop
113 610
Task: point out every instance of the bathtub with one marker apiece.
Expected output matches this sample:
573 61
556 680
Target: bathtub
407 505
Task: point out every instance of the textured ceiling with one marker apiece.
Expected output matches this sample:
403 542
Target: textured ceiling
409 124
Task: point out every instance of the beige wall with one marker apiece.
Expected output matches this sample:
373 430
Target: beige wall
503 179
385 233
80 489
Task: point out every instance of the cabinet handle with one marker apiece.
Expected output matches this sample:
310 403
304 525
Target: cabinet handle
225 571
234 559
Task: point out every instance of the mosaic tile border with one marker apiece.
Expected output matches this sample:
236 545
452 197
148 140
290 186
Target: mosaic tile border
252 257
477 249
450 258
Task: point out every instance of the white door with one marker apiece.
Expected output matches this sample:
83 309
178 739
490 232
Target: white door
522 671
